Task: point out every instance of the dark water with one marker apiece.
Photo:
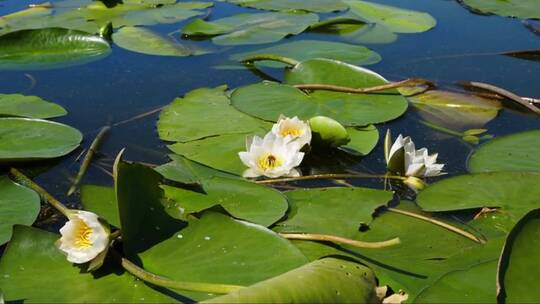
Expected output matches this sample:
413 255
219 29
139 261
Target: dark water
125 84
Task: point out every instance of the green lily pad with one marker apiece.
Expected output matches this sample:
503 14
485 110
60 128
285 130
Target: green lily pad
218 249
141 40
472 285
18 206
242 199
251 28
102 201
396 19
344 209
308 49
267 100
219 152
49 48
316 6
32 269
28 106
515 192
363 140
23 139
205 112
518 261
455 111
515 152
143 219
328 280
351 28
523 9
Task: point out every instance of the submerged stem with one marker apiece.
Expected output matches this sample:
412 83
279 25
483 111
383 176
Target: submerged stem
87 159
439 223
19 177
271 57
441 129
168 283
328 176
392 85
340 240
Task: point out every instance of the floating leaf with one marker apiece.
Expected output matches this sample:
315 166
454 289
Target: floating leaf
28 106
344 209
141 40
25 139
34 270
267 100
102 201
251 28
18 206
353 29
309 49
49 48
203 113
396 19
316 6
328 280
518 261
515 152
472 285
363 140
452 110
493 190
523 9
218 249
242 199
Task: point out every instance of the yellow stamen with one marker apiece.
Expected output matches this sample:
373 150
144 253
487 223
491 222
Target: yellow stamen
83 235
291 130
269 161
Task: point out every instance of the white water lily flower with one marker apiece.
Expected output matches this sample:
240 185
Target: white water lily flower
271 156
83 237
405 159
292 129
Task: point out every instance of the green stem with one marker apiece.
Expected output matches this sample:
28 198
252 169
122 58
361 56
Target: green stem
391 85
168 283
328 176
340 240
19 177
87 159
441 129
439 223
271 57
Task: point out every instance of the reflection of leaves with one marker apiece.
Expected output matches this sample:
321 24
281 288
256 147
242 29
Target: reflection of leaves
328 280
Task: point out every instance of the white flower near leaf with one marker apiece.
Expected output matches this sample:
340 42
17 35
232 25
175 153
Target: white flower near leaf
403 158
292 129
271 156
83 237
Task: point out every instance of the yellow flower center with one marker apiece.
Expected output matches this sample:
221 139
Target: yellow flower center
268 162
291 130
83 233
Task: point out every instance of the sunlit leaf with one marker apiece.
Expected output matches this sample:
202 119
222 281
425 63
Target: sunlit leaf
18 206
316 6
31 139
102 201
514 152
363 140
523 9
28 106
354 29
49 48
328 280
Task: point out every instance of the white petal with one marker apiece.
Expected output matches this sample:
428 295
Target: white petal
251 173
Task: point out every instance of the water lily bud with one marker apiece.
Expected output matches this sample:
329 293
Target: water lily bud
328 132
84 237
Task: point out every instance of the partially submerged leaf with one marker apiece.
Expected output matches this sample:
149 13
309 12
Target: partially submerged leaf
328 280
49 48
523 9
18 206
316 6
514 152
141 40
26 139
28 106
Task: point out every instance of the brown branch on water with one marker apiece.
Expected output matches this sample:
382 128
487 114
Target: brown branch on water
138 116
339 240
505 93
411 82
531 27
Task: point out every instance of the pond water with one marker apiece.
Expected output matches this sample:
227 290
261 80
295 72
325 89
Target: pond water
463 46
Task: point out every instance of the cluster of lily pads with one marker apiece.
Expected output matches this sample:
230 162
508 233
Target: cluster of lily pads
197 229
